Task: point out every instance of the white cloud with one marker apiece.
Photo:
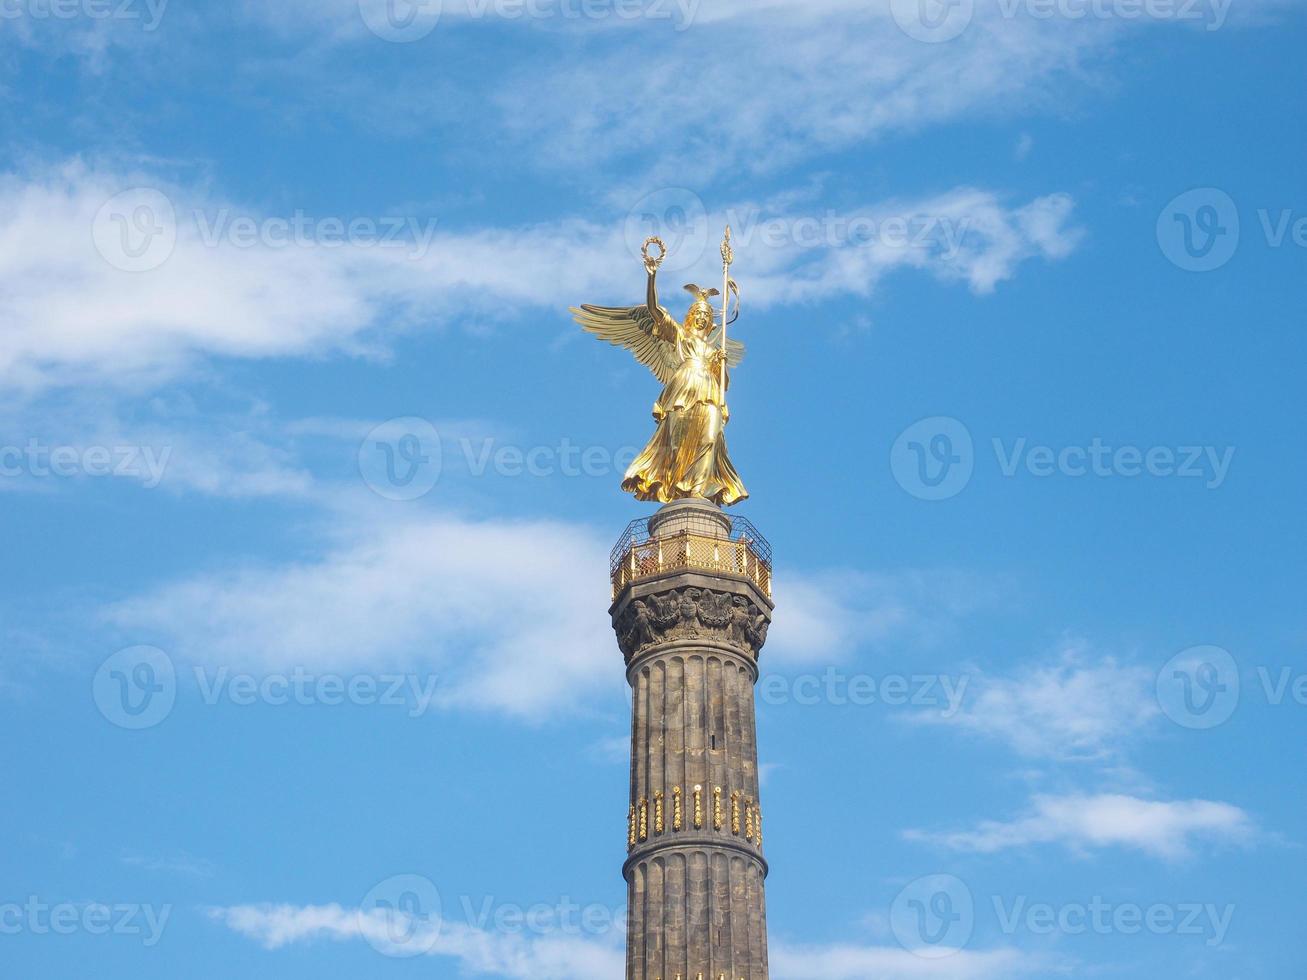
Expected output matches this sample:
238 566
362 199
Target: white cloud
640 97
1076 706
825 617
167 442
72 316
853 962
509 614
177 862
1163 829
476 950
580 958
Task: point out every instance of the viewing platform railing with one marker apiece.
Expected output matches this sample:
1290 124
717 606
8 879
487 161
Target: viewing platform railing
741 551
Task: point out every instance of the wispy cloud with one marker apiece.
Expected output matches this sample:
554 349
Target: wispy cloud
1160 828
581 958
1077 706
509 613
475 950
176 862
828 615
857 962
124 278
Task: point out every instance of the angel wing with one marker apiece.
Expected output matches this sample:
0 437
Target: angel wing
651 340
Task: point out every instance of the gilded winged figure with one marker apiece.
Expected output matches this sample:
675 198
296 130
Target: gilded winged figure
686 457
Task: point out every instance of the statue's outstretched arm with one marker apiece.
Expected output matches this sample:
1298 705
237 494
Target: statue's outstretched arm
664 326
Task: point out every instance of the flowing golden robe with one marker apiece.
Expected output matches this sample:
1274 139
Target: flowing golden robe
687 455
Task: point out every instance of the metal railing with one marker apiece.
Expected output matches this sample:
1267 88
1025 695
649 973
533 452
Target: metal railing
741 551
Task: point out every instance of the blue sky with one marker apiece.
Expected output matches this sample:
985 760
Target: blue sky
1020 416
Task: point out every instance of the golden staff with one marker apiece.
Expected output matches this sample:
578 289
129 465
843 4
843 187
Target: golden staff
728 256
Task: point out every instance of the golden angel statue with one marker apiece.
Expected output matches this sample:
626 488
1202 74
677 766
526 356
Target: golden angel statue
686 457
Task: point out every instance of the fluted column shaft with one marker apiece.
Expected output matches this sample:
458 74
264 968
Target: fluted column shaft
695 867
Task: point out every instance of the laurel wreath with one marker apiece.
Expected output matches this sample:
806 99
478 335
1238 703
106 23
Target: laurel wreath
662 250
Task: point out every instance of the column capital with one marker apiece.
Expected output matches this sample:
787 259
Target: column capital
691 606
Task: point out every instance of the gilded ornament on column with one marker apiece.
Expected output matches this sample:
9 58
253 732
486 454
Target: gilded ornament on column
698 808
658 812
676 808
735 813
630 827
716 808
644 819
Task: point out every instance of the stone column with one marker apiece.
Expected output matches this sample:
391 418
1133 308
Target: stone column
690 621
